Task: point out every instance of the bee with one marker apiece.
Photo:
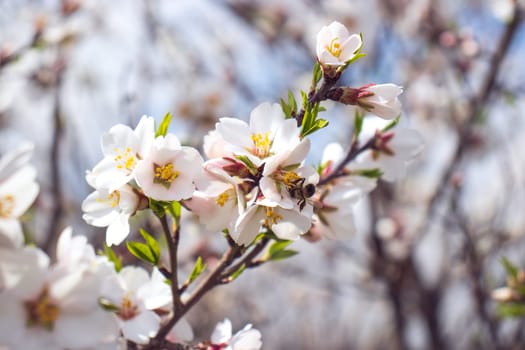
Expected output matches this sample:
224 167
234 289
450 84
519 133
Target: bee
299 191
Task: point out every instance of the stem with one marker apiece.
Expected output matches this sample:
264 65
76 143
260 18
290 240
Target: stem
173 244
317 96
179 308
351 155
247 259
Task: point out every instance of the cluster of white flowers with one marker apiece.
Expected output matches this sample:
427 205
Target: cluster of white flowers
255 183
137 165
78 302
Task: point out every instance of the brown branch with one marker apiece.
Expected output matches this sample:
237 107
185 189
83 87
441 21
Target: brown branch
247 260
173 245
56 181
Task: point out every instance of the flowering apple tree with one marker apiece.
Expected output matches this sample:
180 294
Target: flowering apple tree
253 185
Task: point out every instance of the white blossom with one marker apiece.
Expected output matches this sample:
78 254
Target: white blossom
56 307
18 190
381 100
335 46
169 170
134 295
268 133
287 224
122 148
110 209
247 338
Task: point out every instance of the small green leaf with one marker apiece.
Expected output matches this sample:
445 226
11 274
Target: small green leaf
107 305
152 244
157 207
370 173
198 268
237 273
278 246
391 124
291 102
113 257
142 252
317 74
247 162
358 123
511 269
164 125
283 254
511 309
278 251
286 109
174 208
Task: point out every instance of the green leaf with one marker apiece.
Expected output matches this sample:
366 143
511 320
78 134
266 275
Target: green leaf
248 163
286 109
391 124
237 273
113 257
283 254
164 125
358 123
107 305
291 102
511 269
142 252
152 244
511 309
278 246
174 209
198 268
278 251
317 74
370 173
157 207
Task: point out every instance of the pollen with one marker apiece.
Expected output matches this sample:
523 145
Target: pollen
262 144
7 205
335 47
223 198
42 312
125 159
272 217
290 178
128 309
165 174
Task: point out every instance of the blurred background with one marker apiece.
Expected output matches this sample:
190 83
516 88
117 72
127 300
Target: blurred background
419 273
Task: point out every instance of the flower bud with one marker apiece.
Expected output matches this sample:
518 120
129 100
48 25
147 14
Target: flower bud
379 99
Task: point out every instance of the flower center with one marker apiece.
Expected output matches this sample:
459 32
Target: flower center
128 309
113 199
223 198
7 204
335 47
125 159
165 174
42 312
291 178
262 144
272 217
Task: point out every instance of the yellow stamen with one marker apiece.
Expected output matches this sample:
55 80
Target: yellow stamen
262 144
272 217
128 309
7 205
113 198
125 159
335 47
290 178
223 198
42 312
165 174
